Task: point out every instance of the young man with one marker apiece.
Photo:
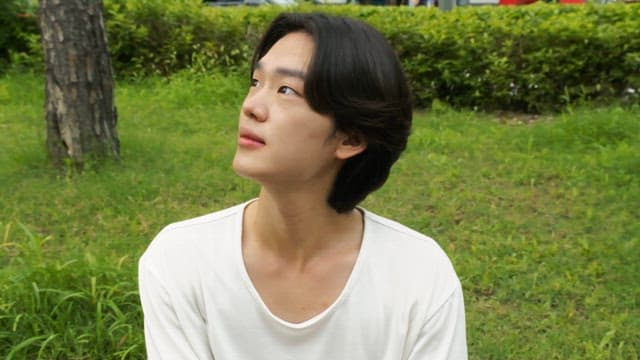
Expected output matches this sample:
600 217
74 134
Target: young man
300 272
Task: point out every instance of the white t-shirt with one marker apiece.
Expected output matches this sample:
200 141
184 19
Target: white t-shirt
402 301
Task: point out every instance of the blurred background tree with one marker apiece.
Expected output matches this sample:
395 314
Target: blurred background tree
80 111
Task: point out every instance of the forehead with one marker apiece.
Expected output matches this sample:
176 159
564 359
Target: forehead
293 51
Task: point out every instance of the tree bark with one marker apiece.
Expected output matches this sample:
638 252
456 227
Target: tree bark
80 111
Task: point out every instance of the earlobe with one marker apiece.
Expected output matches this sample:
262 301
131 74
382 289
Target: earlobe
350 146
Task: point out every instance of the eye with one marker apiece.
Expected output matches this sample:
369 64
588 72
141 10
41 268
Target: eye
254 82
287 91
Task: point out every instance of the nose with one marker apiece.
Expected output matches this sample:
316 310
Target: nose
254 106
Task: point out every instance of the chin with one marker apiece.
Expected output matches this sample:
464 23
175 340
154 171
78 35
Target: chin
238 168
245 169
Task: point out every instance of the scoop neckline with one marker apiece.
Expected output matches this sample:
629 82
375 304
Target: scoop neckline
344 293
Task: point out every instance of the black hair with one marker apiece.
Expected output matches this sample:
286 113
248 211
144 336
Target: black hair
355 77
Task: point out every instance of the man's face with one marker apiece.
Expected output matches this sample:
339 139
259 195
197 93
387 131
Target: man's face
282 141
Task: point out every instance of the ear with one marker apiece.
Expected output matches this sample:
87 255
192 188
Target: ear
350 145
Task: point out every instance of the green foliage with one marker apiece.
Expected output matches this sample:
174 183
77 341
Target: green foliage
538 214
529 59
18 27
160 37
64 306
67 309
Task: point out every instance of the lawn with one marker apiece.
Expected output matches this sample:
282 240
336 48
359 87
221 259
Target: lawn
540 215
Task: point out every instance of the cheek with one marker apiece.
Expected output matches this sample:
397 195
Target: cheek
318 128
300 126
302 143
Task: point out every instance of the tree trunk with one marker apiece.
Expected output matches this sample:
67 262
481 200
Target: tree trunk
80 111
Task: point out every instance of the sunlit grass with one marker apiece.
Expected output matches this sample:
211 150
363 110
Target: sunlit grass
540 218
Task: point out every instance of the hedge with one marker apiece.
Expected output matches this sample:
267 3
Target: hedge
16 24
528 58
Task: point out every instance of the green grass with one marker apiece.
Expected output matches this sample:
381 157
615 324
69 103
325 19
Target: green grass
541 219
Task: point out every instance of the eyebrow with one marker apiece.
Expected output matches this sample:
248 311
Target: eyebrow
285 71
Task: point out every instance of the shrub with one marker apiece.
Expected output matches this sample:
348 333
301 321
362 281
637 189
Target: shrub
18 24
530 58
160 37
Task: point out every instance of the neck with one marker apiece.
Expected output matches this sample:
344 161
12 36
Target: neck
297 226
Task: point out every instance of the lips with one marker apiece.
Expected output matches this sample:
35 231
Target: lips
250 139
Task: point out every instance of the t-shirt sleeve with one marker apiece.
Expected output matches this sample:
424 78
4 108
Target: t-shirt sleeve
443 335
169 332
